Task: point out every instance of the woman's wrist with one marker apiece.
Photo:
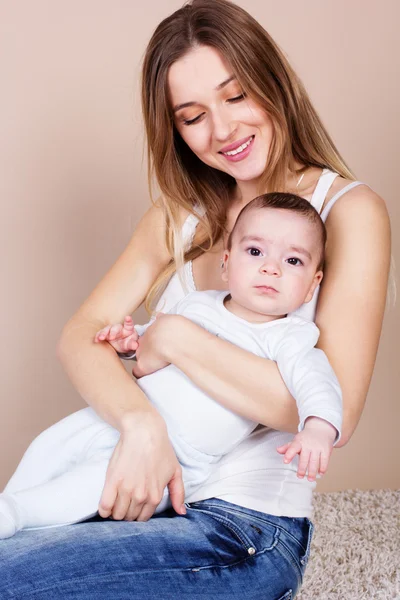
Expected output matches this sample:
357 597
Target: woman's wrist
173 336
143 417
181 334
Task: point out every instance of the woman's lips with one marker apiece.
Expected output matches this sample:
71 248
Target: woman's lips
238 151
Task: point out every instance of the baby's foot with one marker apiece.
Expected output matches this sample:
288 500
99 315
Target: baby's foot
9 518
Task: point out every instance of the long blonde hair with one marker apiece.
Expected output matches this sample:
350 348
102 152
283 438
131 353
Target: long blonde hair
266 76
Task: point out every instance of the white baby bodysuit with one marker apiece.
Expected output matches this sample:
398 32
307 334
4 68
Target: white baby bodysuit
204 424
60 478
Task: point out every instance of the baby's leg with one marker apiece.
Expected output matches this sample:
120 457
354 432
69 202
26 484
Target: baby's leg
56 449
67 498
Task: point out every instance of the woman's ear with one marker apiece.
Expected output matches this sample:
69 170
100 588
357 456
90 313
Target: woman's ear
315 282
224 266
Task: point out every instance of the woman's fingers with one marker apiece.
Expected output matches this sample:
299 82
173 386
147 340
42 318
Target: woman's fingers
142 465
107 500
177 491
145 511
122 503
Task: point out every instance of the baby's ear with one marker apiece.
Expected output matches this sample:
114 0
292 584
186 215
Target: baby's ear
224 266
315 282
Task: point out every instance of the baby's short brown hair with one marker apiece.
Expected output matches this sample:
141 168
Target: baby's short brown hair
286 201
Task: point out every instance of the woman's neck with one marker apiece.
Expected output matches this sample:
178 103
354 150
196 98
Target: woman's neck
246 191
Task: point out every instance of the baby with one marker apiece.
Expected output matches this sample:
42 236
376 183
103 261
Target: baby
273 264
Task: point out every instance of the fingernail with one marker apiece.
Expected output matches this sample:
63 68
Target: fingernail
183 509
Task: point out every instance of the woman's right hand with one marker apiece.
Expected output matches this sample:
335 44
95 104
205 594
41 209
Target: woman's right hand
142 465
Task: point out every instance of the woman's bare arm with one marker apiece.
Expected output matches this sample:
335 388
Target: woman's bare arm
349 315
352 301
243 382
94 369
143 462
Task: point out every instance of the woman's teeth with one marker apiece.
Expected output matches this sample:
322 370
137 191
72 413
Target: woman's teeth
240 149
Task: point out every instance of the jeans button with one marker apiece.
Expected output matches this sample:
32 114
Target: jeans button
251 551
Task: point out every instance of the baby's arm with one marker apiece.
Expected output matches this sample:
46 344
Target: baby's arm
314 446
310 378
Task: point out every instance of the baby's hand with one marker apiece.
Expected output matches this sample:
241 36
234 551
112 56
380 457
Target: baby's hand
124 338
314 445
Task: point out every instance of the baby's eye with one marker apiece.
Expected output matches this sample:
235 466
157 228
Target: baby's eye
294 261
254 251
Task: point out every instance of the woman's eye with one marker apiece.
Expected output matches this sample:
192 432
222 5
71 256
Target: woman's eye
237 98
294 261
192 121
254 251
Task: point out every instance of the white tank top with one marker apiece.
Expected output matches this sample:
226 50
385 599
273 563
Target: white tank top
253 474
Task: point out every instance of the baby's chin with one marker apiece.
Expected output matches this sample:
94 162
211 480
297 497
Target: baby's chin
255 312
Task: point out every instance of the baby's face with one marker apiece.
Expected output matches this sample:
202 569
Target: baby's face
272 266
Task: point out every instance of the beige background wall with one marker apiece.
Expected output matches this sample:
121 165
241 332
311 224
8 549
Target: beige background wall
73 186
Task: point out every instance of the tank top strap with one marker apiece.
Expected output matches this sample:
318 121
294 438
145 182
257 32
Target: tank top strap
325 181
189 227
340 193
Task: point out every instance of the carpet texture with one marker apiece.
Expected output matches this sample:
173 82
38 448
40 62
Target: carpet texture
355 552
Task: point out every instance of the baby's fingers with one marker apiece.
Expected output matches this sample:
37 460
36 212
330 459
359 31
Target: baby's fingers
101 335
115 332
294 448
313 465
323 464
303 463
129 343
282 449
128 324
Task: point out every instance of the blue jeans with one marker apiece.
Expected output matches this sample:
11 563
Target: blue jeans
217 550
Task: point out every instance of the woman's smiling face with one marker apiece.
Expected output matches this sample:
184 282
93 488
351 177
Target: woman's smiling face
223 127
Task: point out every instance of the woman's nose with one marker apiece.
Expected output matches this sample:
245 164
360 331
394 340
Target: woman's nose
223 125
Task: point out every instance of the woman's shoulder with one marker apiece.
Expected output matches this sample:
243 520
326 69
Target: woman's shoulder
356 219
351 199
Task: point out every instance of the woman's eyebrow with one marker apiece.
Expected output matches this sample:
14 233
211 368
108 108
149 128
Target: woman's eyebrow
224 83
219 87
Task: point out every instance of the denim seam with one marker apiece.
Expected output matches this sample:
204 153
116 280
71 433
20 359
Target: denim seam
306 555
287 596
110 577
305 549
286 553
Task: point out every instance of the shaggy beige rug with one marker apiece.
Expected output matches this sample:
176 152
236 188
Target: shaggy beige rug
355 552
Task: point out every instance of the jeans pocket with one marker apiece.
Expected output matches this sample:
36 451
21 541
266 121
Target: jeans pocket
243 532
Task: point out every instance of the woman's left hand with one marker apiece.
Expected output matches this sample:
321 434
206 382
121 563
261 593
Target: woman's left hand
151 354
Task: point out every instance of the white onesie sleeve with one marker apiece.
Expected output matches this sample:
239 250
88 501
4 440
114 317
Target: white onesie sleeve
306 372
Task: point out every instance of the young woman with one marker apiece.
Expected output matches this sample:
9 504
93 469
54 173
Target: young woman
226 119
